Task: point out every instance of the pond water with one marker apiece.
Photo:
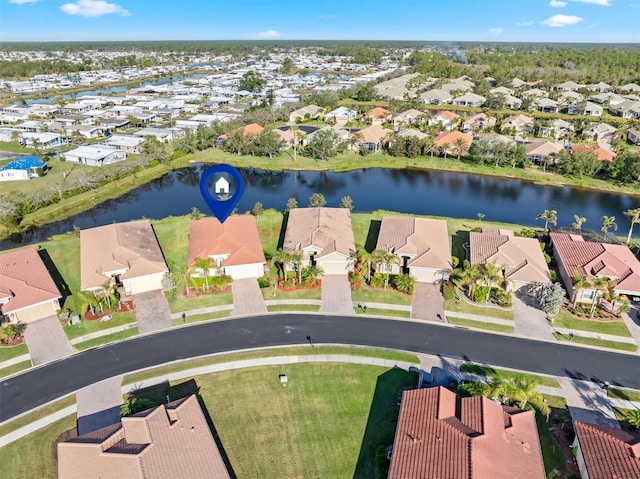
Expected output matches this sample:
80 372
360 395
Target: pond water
438 193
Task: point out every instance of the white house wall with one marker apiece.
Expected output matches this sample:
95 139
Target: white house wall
12 175
428 275
37 311
142 284
252 270
335 263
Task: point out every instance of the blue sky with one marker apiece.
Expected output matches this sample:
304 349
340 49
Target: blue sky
593 21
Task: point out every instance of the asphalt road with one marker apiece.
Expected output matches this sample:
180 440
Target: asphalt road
38 386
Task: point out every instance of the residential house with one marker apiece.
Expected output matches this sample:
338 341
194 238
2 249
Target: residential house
46 141
408 118
95 155
23 168
323 236
626 109
568 86
535 93
459 84
442 435
570 97
512 102
248 131
590 259
170 440
163 135
543 152
517 83
601 87
445 119
372 137
605 453
633 136
501 90
599 132
602 154
519 259
27 291
291 136
378 115
629 88
341 114
127 143
421 245
309 112
518 123
125 254
591 109
546 105
436 97
478 122
412 133
233 247
451 138
610 99
469 99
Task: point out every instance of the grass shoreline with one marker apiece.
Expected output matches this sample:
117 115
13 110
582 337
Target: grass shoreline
345 162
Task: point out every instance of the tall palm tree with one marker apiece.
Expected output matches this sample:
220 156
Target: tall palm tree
520 391
549 216
600 284
579 282
489 274
364 257
578 221
281 259
355 138
429 147
204 264
183 279
444 148
634 217
296 260
294 129
609 222
460 147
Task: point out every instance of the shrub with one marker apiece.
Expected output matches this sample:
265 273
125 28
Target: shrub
382 463
526 233
377 280
477 229
263 282
448 291
480 294
220 282
500 297
455 261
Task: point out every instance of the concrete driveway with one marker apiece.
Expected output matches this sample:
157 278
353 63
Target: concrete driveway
46 340
99 405
152 311
427 302
530 321
336 294
247 297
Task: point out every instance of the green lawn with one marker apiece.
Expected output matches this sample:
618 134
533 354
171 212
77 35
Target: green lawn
597 342
87 327
293 307
365 294
178 303
551 452
201 317
269 226
13 351
275 293
618 328
462 306
385 312
173 236
34 455
623 394
64 251
16 368
327 422
36 415
470 323
504 373
111 338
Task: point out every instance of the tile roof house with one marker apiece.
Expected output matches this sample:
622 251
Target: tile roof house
450 138
324 236
436 97
606 453
421 244
248 131
233 246
469 99
125 253
27 291
378 115
372 137
540 152
23 168
409 117
520 259
170 441
445 119
602 154
306 112
440 435
518 123
577 257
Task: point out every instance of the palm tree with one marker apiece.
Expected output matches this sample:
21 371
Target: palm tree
204 264
549 216
405 283
355 139
609 222
599 284
578 221
444 148
489 274
364 257
183 279
430 147
460 147
294 129
296 260
388 259
15 136
464 277
311 273
520 391
579 282
634 217
281 259
633 418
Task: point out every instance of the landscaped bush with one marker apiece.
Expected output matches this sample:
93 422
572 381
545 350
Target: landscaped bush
526 233
448 291
500 297
477 229
382 463
220 282
263 282
480 294
377 280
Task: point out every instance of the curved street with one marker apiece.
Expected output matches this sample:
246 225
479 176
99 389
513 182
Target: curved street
38 386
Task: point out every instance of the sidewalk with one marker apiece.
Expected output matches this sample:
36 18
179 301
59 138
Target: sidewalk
477 317
589 334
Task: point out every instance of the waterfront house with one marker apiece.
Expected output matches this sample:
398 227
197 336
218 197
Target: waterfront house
451 138
128 143
248 131
23 168
372 138
94 155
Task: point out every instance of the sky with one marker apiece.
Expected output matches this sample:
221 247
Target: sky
585 21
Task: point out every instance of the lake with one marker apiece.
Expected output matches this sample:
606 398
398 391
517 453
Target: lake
439 193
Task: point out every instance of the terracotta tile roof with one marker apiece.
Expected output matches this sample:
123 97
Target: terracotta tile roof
440 435
131 247
522 257
544 148
379 113
25 279
446 115
252 129
608 453
237 237
170 441
601 153
328 229
374 134
451 137
426 241
591 259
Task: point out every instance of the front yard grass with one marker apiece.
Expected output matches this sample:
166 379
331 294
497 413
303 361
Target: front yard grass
365 295
201 317
111 338
10 352
498 373
470 323
293 307
551 451
603 343
275 293
179 303
15 368
385 312
451 305
617 328
623 394
87 327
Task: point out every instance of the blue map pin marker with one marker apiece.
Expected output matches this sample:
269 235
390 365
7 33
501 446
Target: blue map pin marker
220 205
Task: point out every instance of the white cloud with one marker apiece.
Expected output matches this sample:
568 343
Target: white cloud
22 2
268 34
603 3
525 24
93 8
557 4
562 20
496 31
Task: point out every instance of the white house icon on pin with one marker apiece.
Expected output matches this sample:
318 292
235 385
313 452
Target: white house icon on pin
222 186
